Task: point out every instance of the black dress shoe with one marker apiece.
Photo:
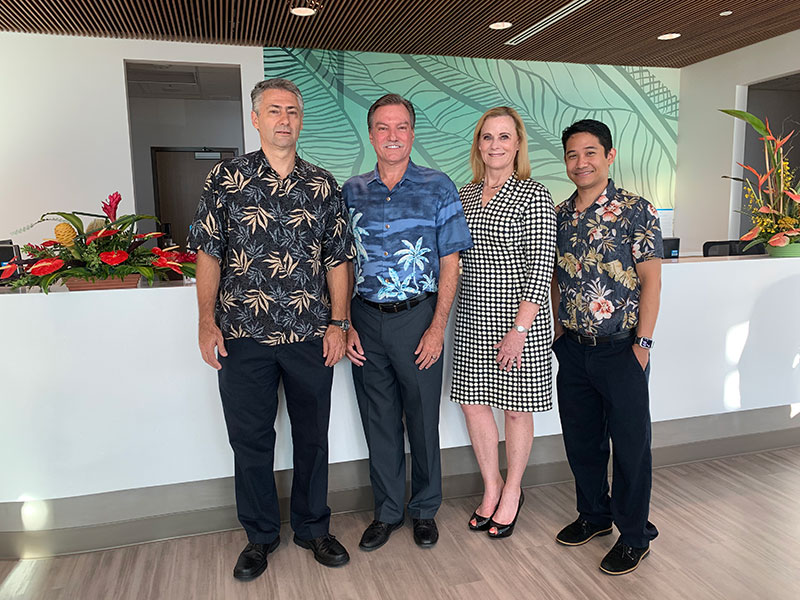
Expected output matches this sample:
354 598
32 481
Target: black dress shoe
326 548
252 561
622 558
501 530
481 523
377 534
426 534
581 531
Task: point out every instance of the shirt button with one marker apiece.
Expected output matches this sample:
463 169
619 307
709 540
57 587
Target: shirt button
388 198
387 226
386 254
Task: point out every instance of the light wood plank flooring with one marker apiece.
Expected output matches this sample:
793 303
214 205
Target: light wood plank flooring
730 529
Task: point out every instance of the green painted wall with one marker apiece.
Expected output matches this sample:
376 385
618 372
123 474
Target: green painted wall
640 105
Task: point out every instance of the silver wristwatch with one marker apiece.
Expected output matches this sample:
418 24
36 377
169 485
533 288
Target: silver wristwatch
520 328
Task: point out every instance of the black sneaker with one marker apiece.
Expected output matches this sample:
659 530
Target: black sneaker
581 531
327 550
622 558
252 561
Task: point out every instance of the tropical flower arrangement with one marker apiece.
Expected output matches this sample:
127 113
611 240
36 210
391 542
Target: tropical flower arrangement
773 201
108 247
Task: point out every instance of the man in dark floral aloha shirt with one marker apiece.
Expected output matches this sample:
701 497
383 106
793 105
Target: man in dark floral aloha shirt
273 290
606 285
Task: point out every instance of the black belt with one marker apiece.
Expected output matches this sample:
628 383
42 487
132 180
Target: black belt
591 340
395 307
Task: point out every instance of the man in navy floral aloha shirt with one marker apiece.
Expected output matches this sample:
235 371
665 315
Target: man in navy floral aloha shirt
274 249
606 285
409 228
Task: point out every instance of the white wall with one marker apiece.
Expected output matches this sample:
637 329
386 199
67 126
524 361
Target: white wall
65 143
706 148
178 123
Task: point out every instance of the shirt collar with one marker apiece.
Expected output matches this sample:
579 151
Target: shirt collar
609 193
413 173
298 172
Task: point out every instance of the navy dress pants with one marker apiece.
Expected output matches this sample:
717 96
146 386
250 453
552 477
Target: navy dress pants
248 384
602 394
388 387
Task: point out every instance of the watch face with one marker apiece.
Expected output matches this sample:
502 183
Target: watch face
645 342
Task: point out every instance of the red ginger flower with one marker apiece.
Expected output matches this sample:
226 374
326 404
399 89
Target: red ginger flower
46 266
110 207
114 257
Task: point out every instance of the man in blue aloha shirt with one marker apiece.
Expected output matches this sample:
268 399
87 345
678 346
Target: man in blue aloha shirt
606 286
409 228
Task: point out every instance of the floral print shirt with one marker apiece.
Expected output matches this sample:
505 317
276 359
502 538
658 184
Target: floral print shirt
400 234
275 240
597 253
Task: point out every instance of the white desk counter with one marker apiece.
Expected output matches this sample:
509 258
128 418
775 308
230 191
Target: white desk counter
106 390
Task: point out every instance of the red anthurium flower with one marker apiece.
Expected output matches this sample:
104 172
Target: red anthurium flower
46 266
751 235
110 207
163 263
767 210
147 236
8 269
100 234
114 258
48 243
792 232
164 253
779 239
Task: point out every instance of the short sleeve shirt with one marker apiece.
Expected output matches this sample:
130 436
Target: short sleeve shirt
275 240
597 253
400 234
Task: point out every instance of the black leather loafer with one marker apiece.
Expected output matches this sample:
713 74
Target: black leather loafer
377 534
581 531
622 558
426 534
327 550
252 561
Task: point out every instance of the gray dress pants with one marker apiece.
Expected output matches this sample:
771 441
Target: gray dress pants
388 387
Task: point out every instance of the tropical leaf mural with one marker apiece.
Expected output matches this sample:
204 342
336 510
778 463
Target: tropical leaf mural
640 105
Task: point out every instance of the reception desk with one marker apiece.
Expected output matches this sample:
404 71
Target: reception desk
105 391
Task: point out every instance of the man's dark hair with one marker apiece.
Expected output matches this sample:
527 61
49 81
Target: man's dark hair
596 128
388 100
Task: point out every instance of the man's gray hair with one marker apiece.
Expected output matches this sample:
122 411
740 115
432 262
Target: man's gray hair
277 83
388 100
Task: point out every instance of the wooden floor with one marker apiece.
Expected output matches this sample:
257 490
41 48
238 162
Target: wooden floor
730 529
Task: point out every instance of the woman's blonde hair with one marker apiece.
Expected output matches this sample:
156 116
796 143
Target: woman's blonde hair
522 164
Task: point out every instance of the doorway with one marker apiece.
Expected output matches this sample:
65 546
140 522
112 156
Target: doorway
184 118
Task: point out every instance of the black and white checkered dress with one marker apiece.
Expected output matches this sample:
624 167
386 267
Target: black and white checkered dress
512 260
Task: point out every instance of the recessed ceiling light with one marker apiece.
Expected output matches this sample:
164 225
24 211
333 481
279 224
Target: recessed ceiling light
669 36
726 13
304 8
500 25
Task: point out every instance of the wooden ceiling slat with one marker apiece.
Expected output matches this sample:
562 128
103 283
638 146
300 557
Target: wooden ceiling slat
604 31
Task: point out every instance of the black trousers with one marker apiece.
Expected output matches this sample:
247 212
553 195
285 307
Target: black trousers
248 384
603 393
388 387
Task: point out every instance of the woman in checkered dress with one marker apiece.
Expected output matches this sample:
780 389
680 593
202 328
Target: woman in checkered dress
502 335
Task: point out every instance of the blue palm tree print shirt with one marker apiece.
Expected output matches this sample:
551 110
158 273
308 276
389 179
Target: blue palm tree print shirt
400 234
